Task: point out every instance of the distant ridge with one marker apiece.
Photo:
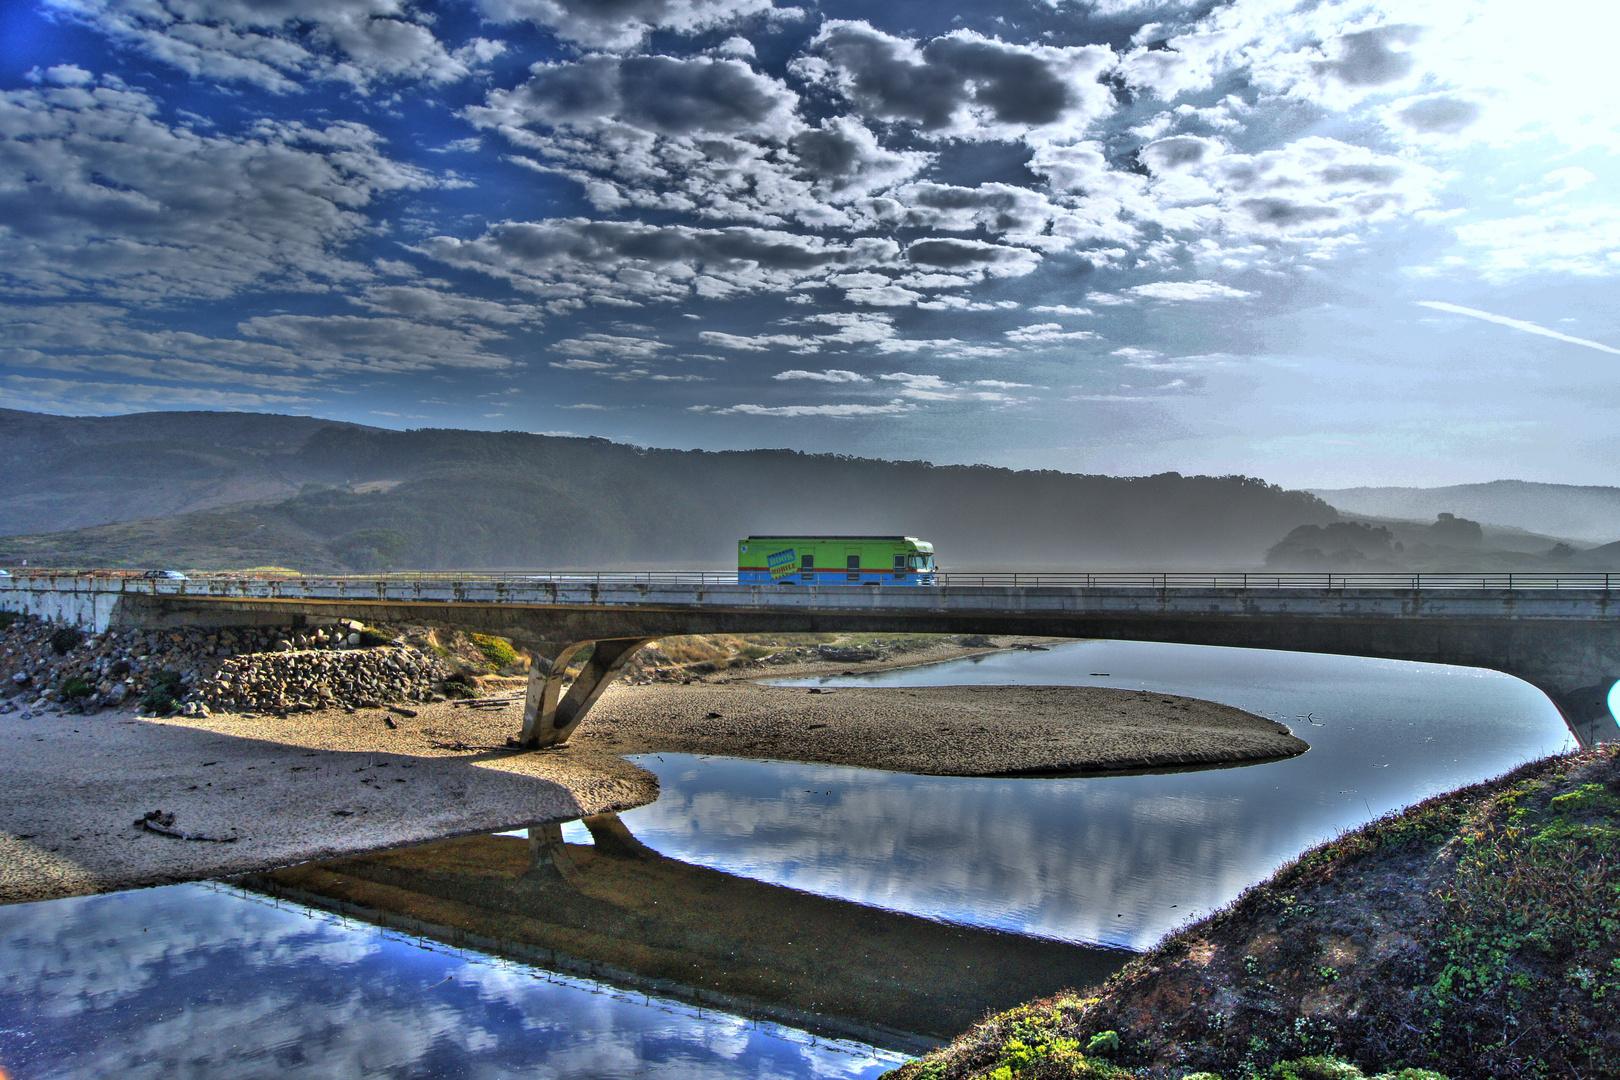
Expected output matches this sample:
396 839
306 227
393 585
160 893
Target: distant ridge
1579 513
202 490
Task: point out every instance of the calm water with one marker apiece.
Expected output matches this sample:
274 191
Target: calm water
195 981
1107 860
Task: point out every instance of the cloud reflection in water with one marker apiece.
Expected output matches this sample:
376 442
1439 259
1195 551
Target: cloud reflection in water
198 981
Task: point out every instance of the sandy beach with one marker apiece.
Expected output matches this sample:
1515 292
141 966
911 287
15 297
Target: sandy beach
267 791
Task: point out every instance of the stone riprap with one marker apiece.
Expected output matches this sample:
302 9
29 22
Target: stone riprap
44 665
306 680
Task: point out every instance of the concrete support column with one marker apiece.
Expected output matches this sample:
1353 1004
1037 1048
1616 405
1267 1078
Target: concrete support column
1586 710
613 838
550 716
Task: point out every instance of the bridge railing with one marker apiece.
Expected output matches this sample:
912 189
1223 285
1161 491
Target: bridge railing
1111 579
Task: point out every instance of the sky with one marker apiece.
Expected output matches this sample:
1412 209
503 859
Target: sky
1325 242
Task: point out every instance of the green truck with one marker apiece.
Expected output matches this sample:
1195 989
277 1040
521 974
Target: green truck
835 560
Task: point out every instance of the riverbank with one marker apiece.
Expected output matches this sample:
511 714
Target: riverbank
258 791
1472 935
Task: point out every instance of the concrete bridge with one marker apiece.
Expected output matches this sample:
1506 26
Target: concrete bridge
1560 633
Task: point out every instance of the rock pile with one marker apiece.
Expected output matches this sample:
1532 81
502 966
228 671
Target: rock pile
304 680
46 665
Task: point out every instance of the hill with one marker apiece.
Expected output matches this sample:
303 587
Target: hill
320 496
65 472
1579 513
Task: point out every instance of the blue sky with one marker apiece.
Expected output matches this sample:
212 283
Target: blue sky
1327 243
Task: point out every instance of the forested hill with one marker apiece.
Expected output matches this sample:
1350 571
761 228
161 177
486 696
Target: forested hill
368 499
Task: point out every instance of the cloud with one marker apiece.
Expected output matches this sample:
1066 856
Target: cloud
1045 334
100 195
378 344
835 412
1311 187
759 342
623 348
1060 309
438 305
1187 291
831 375
576 364
1517 324
625 23
76 397
631 261
961 85
1441 114
279 45
661 95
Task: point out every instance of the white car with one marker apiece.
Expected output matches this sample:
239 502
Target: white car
166 575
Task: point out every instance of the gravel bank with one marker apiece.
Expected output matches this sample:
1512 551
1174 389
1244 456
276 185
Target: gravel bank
938 731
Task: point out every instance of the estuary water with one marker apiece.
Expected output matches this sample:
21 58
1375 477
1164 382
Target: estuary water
1117 860
206 981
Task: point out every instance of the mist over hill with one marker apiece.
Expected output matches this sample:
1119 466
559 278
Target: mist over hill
1576 513
227 490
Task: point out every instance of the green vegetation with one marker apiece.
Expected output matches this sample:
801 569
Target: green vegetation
76 688
332 497
497 650
1476 934
67 639
163 698
7 618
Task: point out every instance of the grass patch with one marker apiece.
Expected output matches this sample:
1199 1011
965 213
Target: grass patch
497 650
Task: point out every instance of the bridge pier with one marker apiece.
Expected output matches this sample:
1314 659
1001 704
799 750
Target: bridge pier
550 716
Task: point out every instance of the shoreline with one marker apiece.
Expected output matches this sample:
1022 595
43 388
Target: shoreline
271 791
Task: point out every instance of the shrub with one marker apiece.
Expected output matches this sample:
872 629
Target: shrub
498 651
76 688
66 640
460 685
7 618
164 696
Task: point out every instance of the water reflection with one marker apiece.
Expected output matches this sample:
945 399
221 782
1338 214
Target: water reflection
617 909
1113 860
196 981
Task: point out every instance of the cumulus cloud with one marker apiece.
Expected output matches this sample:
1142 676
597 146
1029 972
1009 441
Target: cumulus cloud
623 348
632 262
1187 291
934 388
280 45
960 85
662 95
99 194
831 375
624 24
1046 334
442 305
1310 187
378 344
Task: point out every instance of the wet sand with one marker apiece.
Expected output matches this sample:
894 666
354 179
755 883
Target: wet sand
323 785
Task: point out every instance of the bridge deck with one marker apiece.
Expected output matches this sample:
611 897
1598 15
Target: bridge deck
1560 632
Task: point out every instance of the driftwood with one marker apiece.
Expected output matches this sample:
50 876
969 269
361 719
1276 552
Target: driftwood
162 823
401 710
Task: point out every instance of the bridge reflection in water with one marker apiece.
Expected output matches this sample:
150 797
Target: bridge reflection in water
620 912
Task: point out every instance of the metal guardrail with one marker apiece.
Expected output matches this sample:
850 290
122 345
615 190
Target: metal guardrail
1159 580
